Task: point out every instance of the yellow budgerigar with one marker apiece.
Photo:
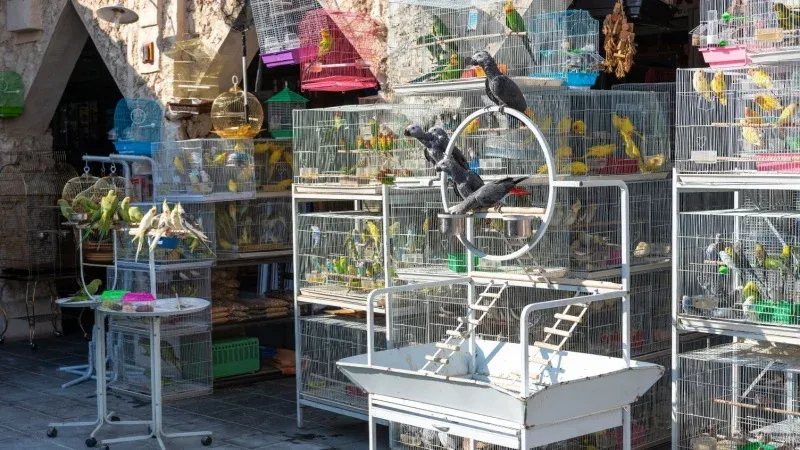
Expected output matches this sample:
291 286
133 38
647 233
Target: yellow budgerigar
579 127
601 151
700 84
767 102
760 78
752 136
718 87
179 165
787 115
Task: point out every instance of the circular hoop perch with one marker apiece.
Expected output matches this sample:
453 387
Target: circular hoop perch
551 170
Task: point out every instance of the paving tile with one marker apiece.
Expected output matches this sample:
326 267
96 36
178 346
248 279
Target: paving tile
255 440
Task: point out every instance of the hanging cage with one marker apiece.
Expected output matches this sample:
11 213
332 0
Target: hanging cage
12 94
721 34
276 23
137 126
195 77
279 112
337 51
237 115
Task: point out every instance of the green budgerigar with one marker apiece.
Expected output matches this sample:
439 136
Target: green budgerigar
788 19
515 23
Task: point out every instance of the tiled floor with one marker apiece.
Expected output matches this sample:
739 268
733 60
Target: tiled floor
261 416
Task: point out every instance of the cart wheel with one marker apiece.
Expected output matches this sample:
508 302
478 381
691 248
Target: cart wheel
91 442
206 441
57 333
52 432
2 339
33 345
114 419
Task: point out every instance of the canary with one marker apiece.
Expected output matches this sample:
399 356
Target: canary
752 116
652 163
473 126
787 114
631 149
179 165
564 125
544 123
578 168
752 136
530 114
601 151
700 84
579 128
760 78
718 87
220 159
564 152
274 159
232 186
767 102
288 158
260 148
623 124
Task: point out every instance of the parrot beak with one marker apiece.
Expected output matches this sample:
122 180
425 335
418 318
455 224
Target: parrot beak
406 132
469 62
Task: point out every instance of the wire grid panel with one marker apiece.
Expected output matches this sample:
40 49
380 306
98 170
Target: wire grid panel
432 40
32 238
741 264
260 225
137 125
744 122
340 255
170 283
739 395
592 215
354 145
175 250
770 28
338 51
273 164
724 25
665 88
195 73
204 170
185 365
565 46
325 340
276 23
614 133
493 144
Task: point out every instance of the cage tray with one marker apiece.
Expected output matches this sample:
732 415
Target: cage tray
581 393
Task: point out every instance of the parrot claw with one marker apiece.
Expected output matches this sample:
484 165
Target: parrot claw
502 109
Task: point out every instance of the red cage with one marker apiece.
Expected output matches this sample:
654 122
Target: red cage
337 51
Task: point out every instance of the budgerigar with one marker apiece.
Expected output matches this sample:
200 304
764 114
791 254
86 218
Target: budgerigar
516 23
499 88
700 84
718 87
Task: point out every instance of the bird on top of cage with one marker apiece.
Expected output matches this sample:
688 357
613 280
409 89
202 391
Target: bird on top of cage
489 195
499 88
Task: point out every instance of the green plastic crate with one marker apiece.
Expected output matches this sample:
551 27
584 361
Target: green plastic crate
113 295
457 262
237 356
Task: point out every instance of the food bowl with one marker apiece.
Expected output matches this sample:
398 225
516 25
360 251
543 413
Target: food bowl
518 227
452 224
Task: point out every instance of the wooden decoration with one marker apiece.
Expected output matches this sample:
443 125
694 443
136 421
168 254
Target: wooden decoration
619 41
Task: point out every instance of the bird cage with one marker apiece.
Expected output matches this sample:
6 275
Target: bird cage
137 126
340 255
277 23
33 239
173 250
76 186
260 225
323 341
204 170
592 217
274 159
739 395
722 33
565 44
614 133
354 145
169 284
433 40
665 88
279 112
236 115
773 30
12 94
195 78
337 51
736 264
490 145
738 120
186 364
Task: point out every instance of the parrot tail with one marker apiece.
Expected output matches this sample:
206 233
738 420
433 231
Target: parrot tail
527 43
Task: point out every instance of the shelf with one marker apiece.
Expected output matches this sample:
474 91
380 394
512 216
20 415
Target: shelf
274 194
252 323
323 191
168 266
738 181
760 332
456 86
742 212
339 303
252 258
616 272
537 281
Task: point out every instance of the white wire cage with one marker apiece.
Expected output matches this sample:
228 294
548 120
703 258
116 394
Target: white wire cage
204 170
740 264
186 364
325 340
773 30
273 164
665 88
174 250
354 145
738 120
276 23
565 47
195 74
722 34
740 395
259 225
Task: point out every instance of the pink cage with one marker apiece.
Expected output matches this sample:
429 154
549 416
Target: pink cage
338 51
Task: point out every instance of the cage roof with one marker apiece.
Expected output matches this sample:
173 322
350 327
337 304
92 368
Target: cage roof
285 96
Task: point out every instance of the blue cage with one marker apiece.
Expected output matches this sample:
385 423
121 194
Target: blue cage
137 126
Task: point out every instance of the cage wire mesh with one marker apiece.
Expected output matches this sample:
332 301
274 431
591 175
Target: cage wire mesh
204 170
741 263
195 75
188 250
137 126
770 29
723 30
665 88
325 340
738 120
279 112
565 47
170 284
337 51
260 225
33 239
492 146
274 159
185 364
340 255
354 145
740 395
233 117
277 23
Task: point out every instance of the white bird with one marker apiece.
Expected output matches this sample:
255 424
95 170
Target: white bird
450 442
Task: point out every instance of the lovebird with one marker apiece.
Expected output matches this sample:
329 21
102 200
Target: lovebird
515 23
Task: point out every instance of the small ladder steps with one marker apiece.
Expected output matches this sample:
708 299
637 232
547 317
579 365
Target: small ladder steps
570 318
456 338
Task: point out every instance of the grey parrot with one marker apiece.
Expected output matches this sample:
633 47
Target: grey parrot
499 88
434 144
466 181
487 196
425 138
441 146
713 249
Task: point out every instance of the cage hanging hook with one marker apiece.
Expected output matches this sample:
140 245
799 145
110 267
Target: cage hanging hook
86 168
113 168
103 169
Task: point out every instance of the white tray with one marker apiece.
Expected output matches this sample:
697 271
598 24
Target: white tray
66 303
164 307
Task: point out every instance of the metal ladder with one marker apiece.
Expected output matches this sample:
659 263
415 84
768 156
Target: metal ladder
456 338
570 318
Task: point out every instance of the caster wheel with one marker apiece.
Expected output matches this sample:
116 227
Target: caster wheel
206 441
114 419
91 442
33 346
52 432
2 339
57 333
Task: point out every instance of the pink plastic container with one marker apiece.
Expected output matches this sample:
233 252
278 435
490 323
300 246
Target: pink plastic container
281 58
133 300
777 162
730 56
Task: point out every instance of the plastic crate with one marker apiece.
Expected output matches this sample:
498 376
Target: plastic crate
235 357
